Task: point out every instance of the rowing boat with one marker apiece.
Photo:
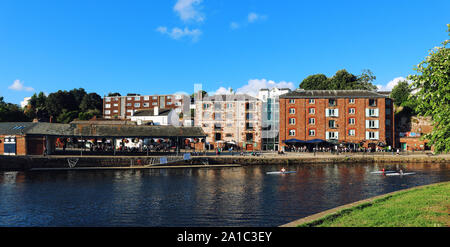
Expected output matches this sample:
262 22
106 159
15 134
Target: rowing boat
381 172
281 172
400 174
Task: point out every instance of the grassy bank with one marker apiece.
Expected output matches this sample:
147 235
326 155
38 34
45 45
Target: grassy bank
427 206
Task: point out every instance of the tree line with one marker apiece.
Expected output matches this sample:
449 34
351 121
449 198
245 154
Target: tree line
59 107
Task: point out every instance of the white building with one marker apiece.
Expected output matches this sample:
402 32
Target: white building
156 117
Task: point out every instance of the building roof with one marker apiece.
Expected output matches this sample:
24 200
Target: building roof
332 94
230 97
151 113
98 130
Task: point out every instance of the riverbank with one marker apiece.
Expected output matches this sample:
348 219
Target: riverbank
139 162
423 206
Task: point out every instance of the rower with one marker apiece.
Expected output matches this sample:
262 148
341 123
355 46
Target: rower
283 170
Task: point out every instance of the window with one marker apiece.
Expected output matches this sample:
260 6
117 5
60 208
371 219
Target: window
351 101
169 97
169 103
371 112
291 132
332 112
217 106
248 126
146 97
388 111
228 135
137 104
107 99
331 102
312 110
291 121
229 125
332 124
217 126
107 105
372 135
372 124
229 115
155 97
116 104
205 106
351 132
372 102
291 110
229 106
388 101
311 121
311 101
107 112
217 116
388 122
351 121
249 116
312 132
128 104
137 98
292 101
155 103
331 135
115 111
351 110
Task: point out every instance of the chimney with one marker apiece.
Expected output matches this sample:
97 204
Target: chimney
155 111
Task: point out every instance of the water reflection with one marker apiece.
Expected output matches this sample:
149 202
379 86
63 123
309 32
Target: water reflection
238 196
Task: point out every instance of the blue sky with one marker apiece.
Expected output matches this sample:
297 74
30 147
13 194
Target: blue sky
163 47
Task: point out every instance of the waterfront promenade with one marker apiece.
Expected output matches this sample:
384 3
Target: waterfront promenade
210 159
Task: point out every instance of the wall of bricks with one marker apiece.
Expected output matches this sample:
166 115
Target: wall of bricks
302 125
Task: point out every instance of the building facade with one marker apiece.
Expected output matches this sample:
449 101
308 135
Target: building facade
123 107
270 112
156 116
410 131
231 120
337 116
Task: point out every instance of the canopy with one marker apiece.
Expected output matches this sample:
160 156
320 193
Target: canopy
294 141
315 141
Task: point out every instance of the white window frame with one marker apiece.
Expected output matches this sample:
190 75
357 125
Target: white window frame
291 132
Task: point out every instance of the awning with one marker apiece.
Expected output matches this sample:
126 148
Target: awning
294 141
315 141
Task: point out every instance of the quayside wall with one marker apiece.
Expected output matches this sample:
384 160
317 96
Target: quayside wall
22 163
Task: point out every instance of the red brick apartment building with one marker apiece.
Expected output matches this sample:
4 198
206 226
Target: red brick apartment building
337 116
123 107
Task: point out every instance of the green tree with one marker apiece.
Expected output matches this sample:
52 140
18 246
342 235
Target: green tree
432 83
342 80
11 112
314 82
59 101
91 101
400 93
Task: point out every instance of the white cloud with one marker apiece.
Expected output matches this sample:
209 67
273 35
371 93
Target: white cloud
18 86
390 85
188 10
178 33
254 85
252 17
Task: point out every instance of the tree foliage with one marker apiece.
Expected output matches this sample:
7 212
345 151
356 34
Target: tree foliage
432 83
400 93
11 112
342 80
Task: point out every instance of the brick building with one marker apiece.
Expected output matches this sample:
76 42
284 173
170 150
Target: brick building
230 120
337 116
123 107
410 131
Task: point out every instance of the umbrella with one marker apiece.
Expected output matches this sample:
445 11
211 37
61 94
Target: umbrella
294 141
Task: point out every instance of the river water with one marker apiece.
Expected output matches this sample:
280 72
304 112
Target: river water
231 196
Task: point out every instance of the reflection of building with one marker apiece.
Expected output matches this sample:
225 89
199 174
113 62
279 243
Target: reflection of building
229 120
122 107
339 116
156 116
410 131
270 117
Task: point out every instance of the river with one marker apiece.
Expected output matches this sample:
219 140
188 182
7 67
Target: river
229 196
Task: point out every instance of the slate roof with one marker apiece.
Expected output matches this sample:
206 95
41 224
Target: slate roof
98 130
332 94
